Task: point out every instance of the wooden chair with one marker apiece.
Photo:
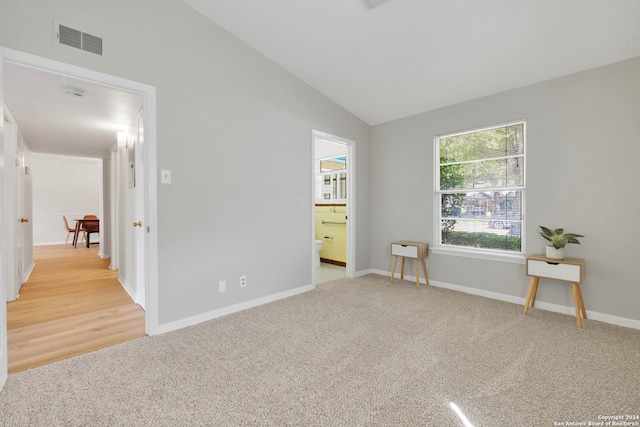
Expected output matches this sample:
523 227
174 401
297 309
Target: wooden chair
70 230
90 227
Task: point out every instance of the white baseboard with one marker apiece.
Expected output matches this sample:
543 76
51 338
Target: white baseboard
556 308
194 320
28 272
60 242
133 294
363 273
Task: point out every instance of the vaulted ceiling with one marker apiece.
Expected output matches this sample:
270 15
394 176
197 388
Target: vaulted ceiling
380 59
384 60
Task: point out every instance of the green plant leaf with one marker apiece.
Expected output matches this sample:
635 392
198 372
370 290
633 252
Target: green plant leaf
546 231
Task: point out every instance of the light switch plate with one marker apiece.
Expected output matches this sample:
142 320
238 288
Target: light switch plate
165 176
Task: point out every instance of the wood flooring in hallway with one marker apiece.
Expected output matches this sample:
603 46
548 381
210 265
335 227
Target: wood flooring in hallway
72 304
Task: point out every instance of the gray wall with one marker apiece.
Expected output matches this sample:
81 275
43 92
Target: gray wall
583 147
234 128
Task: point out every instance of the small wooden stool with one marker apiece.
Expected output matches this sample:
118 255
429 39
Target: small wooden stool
415 250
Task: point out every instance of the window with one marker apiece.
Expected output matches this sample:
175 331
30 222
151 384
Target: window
480 189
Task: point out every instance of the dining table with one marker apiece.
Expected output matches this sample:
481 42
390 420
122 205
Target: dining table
79 223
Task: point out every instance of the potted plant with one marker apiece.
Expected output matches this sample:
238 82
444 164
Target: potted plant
558 239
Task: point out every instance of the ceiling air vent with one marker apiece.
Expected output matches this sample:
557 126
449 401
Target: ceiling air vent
71 37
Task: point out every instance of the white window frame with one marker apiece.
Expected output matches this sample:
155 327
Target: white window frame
469 252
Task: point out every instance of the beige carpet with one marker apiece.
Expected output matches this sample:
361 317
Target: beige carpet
353 352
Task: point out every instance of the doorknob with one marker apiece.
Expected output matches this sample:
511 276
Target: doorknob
137 224
24 219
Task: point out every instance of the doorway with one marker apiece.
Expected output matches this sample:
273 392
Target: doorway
333 195
145 196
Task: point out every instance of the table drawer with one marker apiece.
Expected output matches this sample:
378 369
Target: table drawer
404 250
568 272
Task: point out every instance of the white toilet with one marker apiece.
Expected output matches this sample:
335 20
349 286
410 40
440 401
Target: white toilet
316 260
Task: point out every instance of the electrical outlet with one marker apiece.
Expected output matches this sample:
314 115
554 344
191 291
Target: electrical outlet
243 281
222 286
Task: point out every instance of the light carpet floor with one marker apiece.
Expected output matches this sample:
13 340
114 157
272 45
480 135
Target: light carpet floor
352 352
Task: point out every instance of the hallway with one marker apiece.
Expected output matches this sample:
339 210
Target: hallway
72 304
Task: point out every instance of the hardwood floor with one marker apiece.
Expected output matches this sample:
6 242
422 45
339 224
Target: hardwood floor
72 304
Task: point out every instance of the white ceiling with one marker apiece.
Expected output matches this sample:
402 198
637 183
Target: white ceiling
380 59
404 57
53 121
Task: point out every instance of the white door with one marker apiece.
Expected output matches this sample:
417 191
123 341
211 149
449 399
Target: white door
3 249
10 274
23 220
131 245
139 230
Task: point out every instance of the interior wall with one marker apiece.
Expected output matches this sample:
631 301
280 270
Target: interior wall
581 169
235 130
63 185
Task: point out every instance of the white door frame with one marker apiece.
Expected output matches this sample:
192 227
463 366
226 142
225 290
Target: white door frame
351 199
3 243
149 198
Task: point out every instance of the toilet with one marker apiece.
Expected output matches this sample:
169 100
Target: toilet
316 260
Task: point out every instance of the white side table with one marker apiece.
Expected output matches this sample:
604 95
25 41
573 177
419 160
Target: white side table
415 250
568 270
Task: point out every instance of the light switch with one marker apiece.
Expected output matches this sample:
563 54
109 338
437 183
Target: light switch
165 176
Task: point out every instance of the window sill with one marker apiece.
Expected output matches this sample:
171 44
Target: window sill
515 258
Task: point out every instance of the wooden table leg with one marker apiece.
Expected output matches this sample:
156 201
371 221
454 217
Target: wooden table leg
584 310
576 301
402 270
535 292
393 270
424 267
415 264
533 286
75 236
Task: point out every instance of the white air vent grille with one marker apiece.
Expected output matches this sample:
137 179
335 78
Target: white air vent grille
77 39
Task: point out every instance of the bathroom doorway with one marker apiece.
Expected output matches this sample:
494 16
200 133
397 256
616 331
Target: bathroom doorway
333 219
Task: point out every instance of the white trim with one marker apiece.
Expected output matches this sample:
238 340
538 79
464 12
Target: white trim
125 285
364 272
480 129
437 198
351 198
460 251
210 315
149 94
28 271
3 238
548 306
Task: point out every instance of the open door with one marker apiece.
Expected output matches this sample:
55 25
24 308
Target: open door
139 211
3 248
131 183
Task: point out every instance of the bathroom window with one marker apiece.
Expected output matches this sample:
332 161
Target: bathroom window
480 189
333 164
332 179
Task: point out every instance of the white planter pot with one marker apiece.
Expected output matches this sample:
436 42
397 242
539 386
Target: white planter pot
554 253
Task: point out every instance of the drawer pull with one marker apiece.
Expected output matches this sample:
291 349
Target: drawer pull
404 246
553 263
